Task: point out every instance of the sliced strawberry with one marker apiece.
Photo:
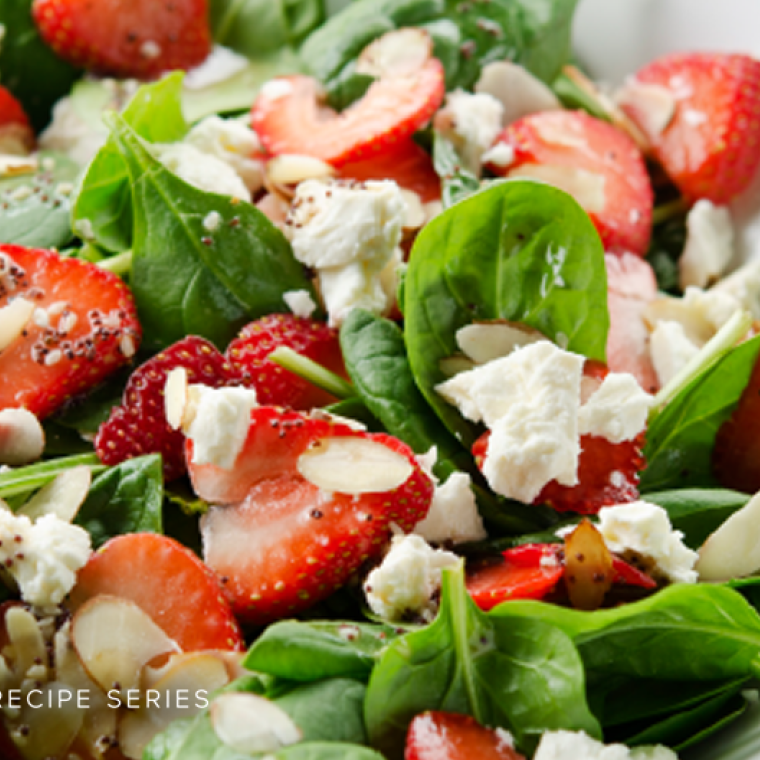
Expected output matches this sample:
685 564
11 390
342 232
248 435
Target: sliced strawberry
16 135
82 328
527 572
628 575
139 425
709 146
631 285
453 736
593 161
289 118
409 165
126 38
274 385
169 583
282 542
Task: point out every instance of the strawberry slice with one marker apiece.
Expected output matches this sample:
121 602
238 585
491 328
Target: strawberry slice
126 38
593 161
78 325
139 425
435 735
282 541
289 116
275 386
169 583
16 135
709 145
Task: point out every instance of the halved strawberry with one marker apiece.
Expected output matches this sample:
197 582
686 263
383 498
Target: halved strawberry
289 117
126 38
437 735
78 324
285 538
275 386
139 425
16 135
599 165
709 145
169 583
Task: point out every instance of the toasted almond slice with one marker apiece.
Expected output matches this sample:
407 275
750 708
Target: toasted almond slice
61 497
15 166
22 439
290 169
415 211
586 187
249 723
115 639
588 567
175 397
484 341
25 637
354 466
13 319
651 106
397 53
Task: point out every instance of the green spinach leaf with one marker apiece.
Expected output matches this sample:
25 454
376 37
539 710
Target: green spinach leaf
475 663
457 182
326 751
187 279
521 251
126 498
680 441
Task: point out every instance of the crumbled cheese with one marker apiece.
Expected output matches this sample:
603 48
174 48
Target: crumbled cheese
218 424
299 302
744 286
501 155
563 745
233 142
408 579
43 556
221 64
354 286
453 514
617 411
671 350
645 529
709 245
201 170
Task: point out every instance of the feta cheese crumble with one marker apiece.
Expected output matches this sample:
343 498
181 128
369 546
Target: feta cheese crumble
408 578
562 745
709 245
617 411
299 302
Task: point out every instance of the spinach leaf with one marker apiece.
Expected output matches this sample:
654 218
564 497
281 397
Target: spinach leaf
749 588
191 739
698 512
186 279
680 441
326 751
521 251
126 498
30 69
103 209
375 357
476 663
457 182
35 208
320 649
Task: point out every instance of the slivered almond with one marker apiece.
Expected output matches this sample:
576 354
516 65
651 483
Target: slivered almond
484 341
586 187
415 211
13 319
651 106
61 497
353 466
290 169
22 439
396 53
14 166
175 397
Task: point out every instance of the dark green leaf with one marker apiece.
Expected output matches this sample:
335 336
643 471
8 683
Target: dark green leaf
187 280
126 498
749 588
521 251
326 751
680 441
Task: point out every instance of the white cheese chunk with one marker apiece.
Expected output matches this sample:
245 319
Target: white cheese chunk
709 245
299 302
577 745
744 286
671 350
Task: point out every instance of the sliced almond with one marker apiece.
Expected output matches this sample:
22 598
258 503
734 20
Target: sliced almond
289 169
651 106
175 397
22 439
588 567
668 309
396 53
14 166
115 639
25 638
415 211
484 341
354 466
249 723
61 497
586 187
13 319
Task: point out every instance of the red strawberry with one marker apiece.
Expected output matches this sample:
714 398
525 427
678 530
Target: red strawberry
409 165
709 146
593 161
289 117
16 136
452 736
126 38
169 583
281 543
84 326
139 425
277 386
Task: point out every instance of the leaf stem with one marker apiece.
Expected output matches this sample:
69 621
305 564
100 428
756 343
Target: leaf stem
27 479
666 211
119 264
719 345
315 373
754 667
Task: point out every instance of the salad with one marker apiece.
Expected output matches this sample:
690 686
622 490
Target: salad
373 383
